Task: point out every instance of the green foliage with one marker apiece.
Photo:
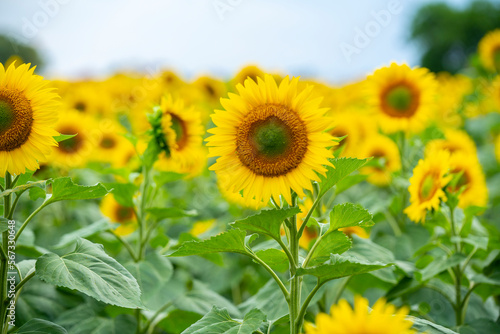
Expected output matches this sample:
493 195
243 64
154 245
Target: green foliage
90 270
40 326
219 321
349 215
342 168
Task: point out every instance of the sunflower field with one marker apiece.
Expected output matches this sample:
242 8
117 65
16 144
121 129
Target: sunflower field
263 203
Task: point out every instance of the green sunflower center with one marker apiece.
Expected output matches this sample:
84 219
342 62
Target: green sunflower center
6 116
271 140
399 98
16 119
427 188
271 137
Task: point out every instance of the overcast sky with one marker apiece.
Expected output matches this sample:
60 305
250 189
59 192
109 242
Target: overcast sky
336 41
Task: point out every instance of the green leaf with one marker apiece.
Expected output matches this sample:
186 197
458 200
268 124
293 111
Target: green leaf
22 188
469 213
275 258
123 324
64 189
439 265
341 266
213 257
61 137
332 243
84 232
164 213
90 270
26 267
479 278
4 224
267 222
123 193
36 193
349 215
40 326
424 326
152 274
343 167
220 322
269 299
232 241
349 181
167 177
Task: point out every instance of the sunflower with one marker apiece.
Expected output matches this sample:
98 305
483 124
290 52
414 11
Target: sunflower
182 131
471 180
201 227
451 92
347 124
223 183
343 319
112 146
270 139
489 50
28 111
118 213
212 89
401 97
78 150
250 71
456 142
389 160
429 178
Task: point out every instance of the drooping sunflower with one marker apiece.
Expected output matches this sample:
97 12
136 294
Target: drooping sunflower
28 111
489 50
270 139
343 319
118 213
471 180
457 141
182 131
429 178
401 97
389 160
77 151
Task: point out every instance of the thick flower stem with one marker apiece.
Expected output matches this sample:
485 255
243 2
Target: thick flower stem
295 281
459 311
4 259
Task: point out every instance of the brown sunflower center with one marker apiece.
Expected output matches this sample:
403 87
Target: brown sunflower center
81 106
180 129
272 140
107 142
123 214
70 145
400 100
210 90
428 187
16 119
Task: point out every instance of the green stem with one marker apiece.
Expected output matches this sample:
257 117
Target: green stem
458 305
287 251
309 214
149 327
295 284
392 223
273 274
33 214
304 307
4 259
126 244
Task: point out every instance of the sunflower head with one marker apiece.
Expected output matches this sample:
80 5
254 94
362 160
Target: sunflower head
430 177
270 139
120 214
387 154
469 181
383 318
28 111
489 50
401 97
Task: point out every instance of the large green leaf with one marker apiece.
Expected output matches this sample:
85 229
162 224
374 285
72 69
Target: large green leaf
64 188
232 241
424 326
40 326
349 215
267 222
341 266
269 299
22 187
220 322
123 192
438 266
123 324
343 167
90 270
274 258
152 274
84 232
332 243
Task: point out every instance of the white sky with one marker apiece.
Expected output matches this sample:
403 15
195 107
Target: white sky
81 38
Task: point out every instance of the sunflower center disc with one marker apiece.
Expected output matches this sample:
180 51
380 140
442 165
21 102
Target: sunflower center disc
496 58
399 98
272 140
70 145
108 142
16 119
124 214
463 180
180 131
427 188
